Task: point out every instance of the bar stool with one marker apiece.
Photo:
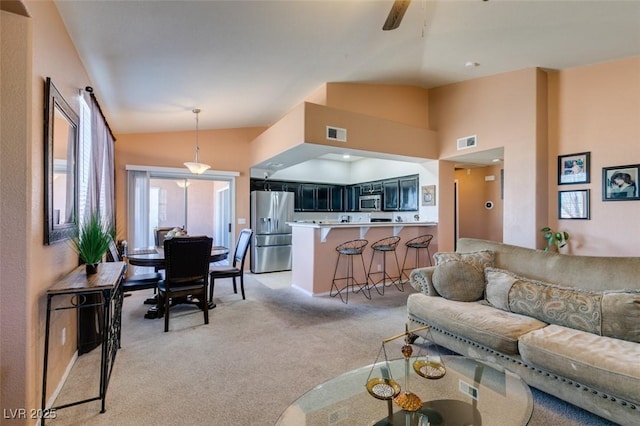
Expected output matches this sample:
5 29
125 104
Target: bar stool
350 249
384 246
417 243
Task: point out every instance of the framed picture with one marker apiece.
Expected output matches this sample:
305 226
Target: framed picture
620 183
574 168
573 204
429 195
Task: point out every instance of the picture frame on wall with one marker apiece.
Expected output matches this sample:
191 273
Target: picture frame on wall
573 204
620 183
574 168
429 195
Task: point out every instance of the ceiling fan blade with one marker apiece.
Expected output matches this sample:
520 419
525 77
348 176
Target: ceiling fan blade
395 14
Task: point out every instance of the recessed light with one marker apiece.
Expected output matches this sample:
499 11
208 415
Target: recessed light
346 156
471 64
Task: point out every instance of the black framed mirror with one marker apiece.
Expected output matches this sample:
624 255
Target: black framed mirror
60 170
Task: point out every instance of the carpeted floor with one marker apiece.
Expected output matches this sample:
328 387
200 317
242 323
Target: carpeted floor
253 359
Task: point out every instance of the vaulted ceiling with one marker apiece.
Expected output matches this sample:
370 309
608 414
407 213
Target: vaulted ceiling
247 63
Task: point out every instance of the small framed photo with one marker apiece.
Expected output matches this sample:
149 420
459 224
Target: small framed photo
574 168
573 204
620 183
429 195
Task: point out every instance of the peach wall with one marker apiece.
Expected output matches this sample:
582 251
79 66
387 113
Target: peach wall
224 150
368 133
285 134
597 110
503 111
403 104
473 192
41 48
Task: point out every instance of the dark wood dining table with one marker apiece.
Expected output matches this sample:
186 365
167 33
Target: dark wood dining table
154 257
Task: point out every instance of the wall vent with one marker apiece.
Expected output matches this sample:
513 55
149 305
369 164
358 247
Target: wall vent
467 142
336 134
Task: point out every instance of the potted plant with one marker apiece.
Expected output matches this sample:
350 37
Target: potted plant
92 241
555 239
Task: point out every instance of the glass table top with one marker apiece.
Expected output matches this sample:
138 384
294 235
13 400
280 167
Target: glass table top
471 393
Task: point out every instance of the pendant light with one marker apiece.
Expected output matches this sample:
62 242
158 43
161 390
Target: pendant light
197 167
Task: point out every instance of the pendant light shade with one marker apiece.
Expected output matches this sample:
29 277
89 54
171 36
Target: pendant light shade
197 167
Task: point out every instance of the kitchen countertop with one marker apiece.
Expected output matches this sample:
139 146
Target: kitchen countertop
326 227
330 224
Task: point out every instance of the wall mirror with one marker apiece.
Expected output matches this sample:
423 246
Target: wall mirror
60 148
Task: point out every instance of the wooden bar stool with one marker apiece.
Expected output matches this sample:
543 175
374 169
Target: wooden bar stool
384 246
417 243
350 249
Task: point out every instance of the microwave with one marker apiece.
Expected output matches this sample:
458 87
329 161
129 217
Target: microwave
370 203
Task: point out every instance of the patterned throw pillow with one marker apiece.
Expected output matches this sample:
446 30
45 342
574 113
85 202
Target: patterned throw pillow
460 276
569 307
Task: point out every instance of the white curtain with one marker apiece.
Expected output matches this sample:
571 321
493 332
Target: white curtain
97 179
138 211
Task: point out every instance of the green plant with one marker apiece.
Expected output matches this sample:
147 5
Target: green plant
557 239
93 239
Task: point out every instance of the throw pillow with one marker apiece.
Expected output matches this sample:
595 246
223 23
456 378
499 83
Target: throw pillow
460 276
499 283
570 307
621 315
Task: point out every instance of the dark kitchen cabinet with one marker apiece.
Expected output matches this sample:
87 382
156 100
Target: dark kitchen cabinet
401 194
390 195
408 193
320 198
308 198
368 188
337 198
352 197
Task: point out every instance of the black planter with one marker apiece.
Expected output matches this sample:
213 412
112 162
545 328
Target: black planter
92 268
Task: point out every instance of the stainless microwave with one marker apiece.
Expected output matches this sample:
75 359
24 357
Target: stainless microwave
370 203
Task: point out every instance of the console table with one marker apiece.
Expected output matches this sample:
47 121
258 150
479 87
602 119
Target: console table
79 287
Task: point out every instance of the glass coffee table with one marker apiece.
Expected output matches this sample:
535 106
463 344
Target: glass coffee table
471 393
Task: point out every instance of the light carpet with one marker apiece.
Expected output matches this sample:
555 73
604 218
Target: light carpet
254 358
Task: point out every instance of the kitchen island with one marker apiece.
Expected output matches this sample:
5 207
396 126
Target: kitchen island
314 252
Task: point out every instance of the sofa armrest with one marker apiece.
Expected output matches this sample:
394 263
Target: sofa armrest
421 280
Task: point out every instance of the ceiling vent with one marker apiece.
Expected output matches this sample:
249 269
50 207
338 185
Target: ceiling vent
336 134
467 142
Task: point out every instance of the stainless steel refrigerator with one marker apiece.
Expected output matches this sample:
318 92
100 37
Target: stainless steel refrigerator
271 247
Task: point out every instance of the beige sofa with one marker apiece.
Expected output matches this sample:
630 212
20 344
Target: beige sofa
568 325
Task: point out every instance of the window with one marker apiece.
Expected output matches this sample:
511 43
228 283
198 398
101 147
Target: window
163 197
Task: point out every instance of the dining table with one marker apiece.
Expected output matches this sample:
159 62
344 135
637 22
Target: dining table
153 257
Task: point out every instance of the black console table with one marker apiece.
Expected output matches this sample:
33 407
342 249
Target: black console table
103 291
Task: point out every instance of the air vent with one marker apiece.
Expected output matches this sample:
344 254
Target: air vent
336 134
467 142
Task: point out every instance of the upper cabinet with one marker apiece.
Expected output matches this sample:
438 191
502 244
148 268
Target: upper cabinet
408 193
398 194
401 194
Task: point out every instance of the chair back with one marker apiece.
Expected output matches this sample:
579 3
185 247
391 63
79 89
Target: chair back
242 247
113 255
187 260
160 234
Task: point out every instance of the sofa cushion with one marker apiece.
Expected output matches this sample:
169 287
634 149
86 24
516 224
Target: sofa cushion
496 329
606 364
460 276
621 315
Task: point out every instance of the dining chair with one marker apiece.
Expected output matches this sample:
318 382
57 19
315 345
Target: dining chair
236 269
159 234
133 282
186 273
